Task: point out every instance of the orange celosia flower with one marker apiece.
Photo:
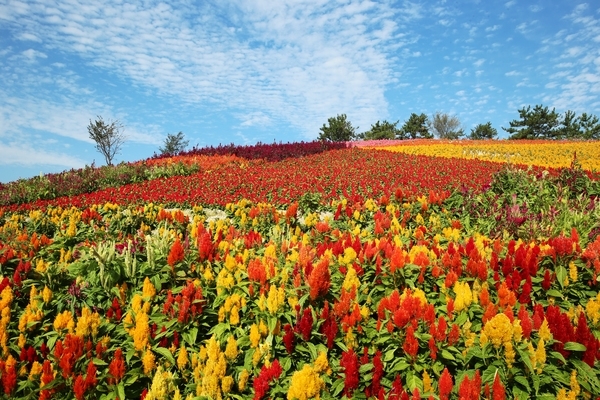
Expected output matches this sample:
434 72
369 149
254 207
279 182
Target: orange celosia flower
176 254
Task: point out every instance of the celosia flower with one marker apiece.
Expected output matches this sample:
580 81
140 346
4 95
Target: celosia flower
88 323
306 384
411 344
499 330
243 380
148 290
445 385
349 362
182 358
319 279
254 336
231 350
498 392
176 254
116 368
266 376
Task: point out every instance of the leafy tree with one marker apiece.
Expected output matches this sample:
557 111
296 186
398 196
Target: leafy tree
446 126
174 144
415 127
569 127
108 137
339 129
483 131
539 123
383 130
589 126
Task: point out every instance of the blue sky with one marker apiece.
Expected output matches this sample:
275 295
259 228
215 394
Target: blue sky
256 70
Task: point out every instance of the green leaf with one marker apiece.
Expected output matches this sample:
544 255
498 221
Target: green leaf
587 375
554 293
99 362
166 353
121 390
365 368
561 274
447 355
574 346
489 374
337 388
522 381
526 360
413 381
190 336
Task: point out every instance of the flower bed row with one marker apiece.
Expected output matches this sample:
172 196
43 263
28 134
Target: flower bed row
389 298
352 173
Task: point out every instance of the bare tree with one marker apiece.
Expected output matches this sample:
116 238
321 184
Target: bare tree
446 126
108 137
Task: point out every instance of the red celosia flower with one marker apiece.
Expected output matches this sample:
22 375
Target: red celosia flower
432 349
349 362
454 335
445 385
176 254
498 392
80 387
116 367
411 344
266 376
377 374
289 338
90 376
304 325
526 322
470 389
319 280
397 260
330 326
45 379
205 245
257 271
9 378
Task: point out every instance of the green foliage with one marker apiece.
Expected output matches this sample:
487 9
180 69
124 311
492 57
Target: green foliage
108 137
530 205
483 131
382 130
174 144
87 180
416 127
541 123
446 126
338 129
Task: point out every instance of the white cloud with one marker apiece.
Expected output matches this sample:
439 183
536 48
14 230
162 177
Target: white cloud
536 8
510 3
479 62
512 73
255 56
26 155
492 28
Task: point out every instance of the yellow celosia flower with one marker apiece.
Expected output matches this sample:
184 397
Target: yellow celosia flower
498 330
148 361
306 384
509 354
243 380
148 290
141 332
226 384
254 335
234 315
351 280
575 388
592 309
275 299
64 321
573 271
22 341
46 295
427 386
36 371
88 323
348 257
321 363
231 350
544 331
464 296
182 358
540 356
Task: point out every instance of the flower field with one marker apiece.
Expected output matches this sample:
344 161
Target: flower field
345 273
543 153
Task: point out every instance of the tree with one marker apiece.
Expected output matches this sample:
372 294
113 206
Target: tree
539 123
415 127
108 137
339 129
446 126
569 127
590 126
383 130
174 144
483 131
